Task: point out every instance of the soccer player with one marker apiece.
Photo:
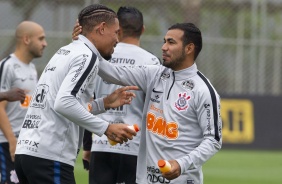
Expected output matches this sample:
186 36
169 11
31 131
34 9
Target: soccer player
17 71
181 117
12 95
117 164
52 131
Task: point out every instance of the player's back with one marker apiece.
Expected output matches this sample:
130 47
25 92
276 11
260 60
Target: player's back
52 135
124 55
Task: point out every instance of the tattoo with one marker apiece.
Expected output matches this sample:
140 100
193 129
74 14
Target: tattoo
113 136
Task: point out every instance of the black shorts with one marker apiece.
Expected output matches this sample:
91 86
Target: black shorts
34 170
6 164
112 168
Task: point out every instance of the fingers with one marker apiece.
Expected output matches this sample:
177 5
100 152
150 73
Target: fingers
119 133
77 29
131 88
174 172
21 95
13 157
126 88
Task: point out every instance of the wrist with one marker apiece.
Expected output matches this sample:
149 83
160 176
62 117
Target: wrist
106 102
3 96
12 139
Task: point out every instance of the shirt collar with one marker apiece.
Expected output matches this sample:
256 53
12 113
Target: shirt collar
88 43
186 73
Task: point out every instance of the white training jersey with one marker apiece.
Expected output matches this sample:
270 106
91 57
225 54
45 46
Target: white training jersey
124 55
53 126
181 115
15 73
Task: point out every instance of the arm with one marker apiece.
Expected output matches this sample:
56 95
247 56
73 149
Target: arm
117 98
72 88
128 75
5 125
87 143
14 94
207 107
6 128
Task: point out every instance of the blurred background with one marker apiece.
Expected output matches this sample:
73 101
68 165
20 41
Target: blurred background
242 54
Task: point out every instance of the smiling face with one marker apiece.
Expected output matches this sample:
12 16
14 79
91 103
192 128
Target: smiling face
173 50
109 39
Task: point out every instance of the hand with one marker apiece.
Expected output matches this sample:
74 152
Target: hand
12 147
86 159
120 97
15 94
119 133
174 172
77 29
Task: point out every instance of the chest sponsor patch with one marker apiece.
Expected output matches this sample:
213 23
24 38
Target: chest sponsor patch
181 103
188 84
39 98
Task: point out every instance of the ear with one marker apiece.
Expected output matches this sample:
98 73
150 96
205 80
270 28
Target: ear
143 29
101 28
120 33
190 48
26 39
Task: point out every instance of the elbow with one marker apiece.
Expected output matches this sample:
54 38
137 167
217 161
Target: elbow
58 106
218 144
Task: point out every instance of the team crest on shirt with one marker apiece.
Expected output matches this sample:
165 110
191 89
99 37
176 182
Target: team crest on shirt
188 84
181 103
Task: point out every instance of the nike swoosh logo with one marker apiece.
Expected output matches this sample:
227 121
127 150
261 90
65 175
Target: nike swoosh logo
20 79
156 91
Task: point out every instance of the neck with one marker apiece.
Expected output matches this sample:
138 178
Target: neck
130 40
23 56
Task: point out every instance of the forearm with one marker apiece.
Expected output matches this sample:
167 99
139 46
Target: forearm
199 155
67 105
5 125
87 140
98 106
2 96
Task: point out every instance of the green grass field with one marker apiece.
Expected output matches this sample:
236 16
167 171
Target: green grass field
229 167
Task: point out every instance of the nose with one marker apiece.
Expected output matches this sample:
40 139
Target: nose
45 43
164 47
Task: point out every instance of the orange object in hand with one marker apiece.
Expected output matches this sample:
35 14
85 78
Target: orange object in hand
134 127
164 166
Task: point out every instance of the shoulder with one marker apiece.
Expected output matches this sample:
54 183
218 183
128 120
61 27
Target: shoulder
8 62
203 85
137 52
76 51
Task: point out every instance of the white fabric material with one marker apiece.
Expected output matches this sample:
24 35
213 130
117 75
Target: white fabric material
59 105
124 55
181 115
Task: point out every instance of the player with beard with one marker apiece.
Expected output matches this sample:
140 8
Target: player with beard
17 71
181 116
117 164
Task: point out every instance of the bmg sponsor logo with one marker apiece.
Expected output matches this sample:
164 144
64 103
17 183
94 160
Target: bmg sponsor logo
39 98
